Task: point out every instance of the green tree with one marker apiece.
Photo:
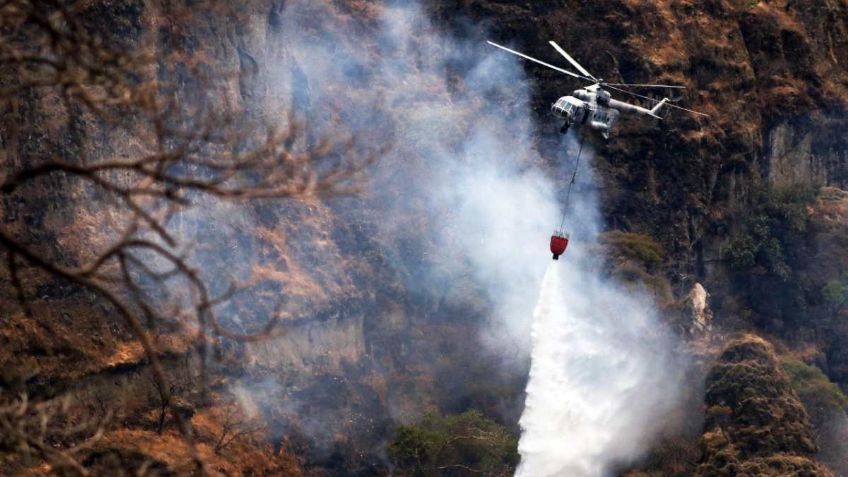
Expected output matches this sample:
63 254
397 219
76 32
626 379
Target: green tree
820 396
768 253
777 218
454 445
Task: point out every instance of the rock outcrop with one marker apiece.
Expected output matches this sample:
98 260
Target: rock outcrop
756 425
701 317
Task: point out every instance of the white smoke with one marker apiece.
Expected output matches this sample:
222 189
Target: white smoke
463 171
462 167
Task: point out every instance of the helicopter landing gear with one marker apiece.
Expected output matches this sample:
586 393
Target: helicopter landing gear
564 128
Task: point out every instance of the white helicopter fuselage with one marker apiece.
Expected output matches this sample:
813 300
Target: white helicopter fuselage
593 107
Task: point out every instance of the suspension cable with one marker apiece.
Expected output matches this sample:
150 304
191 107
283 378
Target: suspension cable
571 184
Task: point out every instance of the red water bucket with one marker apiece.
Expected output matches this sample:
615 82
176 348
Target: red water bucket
559 242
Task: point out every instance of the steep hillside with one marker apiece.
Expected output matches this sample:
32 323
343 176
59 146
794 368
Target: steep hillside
384 315
771 74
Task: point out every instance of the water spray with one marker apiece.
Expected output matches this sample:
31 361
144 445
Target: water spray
601 377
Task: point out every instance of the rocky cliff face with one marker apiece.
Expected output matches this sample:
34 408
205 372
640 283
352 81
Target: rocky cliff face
770 74
361 340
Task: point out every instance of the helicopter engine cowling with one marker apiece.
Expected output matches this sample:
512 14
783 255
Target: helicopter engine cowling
583 94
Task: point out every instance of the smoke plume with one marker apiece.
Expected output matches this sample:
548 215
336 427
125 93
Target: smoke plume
461 175
462 181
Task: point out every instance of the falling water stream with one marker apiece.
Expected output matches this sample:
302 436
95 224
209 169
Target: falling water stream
599 379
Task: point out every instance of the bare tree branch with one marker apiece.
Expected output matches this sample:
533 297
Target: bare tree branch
235 426
42 429
187 150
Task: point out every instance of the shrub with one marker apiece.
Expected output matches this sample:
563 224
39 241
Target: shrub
820 396
454 445
834 292
639 247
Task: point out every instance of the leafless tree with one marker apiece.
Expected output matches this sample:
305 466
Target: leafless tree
190 147
235 425
163 404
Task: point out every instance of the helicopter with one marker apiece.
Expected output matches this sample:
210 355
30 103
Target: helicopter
593 106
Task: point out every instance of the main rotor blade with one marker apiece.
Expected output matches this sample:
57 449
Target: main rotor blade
538 61
657 101
639 85
572 60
